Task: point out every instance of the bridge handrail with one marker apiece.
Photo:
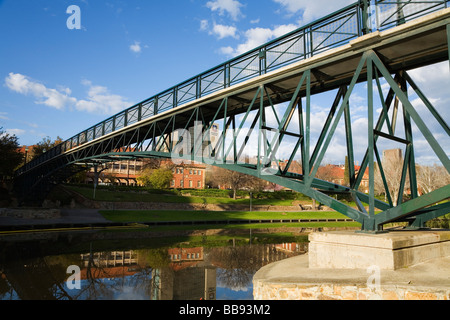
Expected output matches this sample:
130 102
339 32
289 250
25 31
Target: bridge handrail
328 32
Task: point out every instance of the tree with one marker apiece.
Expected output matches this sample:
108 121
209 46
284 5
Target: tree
45 145
327 172
10 157
346 172
157 178
392 168
232 179
430 178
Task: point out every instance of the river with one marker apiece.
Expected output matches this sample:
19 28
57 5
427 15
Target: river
135 265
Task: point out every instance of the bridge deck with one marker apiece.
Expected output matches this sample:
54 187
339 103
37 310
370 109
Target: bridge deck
418 43
139 130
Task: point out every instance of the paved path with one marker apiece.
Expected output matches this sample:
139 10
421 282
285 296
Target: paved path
68 216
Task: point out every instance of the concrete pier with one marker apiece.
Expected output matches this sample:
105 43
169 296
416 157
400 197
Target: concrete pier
398 265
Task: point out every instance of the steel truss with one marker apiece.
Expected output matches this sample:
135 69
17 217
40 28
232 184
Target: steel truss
251 117
157 139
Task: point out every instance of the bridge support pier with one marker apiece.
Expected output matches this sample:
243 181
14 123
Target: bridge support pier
343 265
387 251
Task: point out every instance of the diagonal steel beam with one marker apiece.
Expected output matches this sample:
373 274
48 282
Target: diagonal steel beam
441 154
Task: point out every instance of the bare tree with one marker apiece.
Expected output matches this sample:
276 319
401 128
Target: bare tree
430 178
392 167
327 172
231 179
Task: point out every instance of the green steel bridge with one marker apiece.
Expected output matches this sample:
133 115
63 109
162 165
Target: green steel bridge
374 43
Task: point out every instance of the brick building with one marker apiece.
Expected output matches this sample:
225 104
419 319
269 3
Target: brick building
185 176
188 176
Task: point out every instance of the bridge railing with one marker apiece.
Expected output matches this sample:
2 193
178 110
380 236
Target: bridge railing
331 31
390 13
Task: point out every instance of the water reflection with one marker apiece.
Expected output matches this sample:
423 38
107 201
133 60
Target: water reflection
115 268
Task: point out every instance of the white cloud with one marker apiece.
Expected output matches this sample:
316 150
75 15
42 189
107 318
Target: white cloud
434 81
136 47
222 31
313 10
256 37
55 98
16 132
232 7
99 99
228 51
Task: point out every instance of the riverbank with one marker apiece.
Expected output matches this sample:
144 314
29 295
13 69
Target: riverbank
166 221
107 199
74 207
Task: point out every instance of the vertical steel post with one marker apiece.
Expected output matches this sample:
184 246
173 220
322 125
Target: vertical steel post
234 139
400 14
225 127
260 137
365 7
307 136
349 137
370 138
409 136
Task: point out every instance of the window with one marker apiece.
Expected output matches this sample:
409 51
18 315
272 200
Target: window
190 171
190 183
199 184
181 184
172 183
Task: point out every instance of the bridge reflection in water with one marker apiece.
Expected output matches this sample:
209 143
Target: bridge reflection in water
36 268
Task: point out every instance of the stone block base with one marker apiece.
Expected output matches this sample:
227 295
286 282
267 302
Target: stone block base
388 251
292 279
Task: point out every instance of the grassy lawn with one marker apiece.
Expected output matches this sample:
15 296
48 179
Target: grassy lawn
137 216
177 215
155 216
117 196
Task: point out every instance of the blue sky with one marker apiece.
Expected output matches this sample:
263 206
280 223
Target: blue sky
57 82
